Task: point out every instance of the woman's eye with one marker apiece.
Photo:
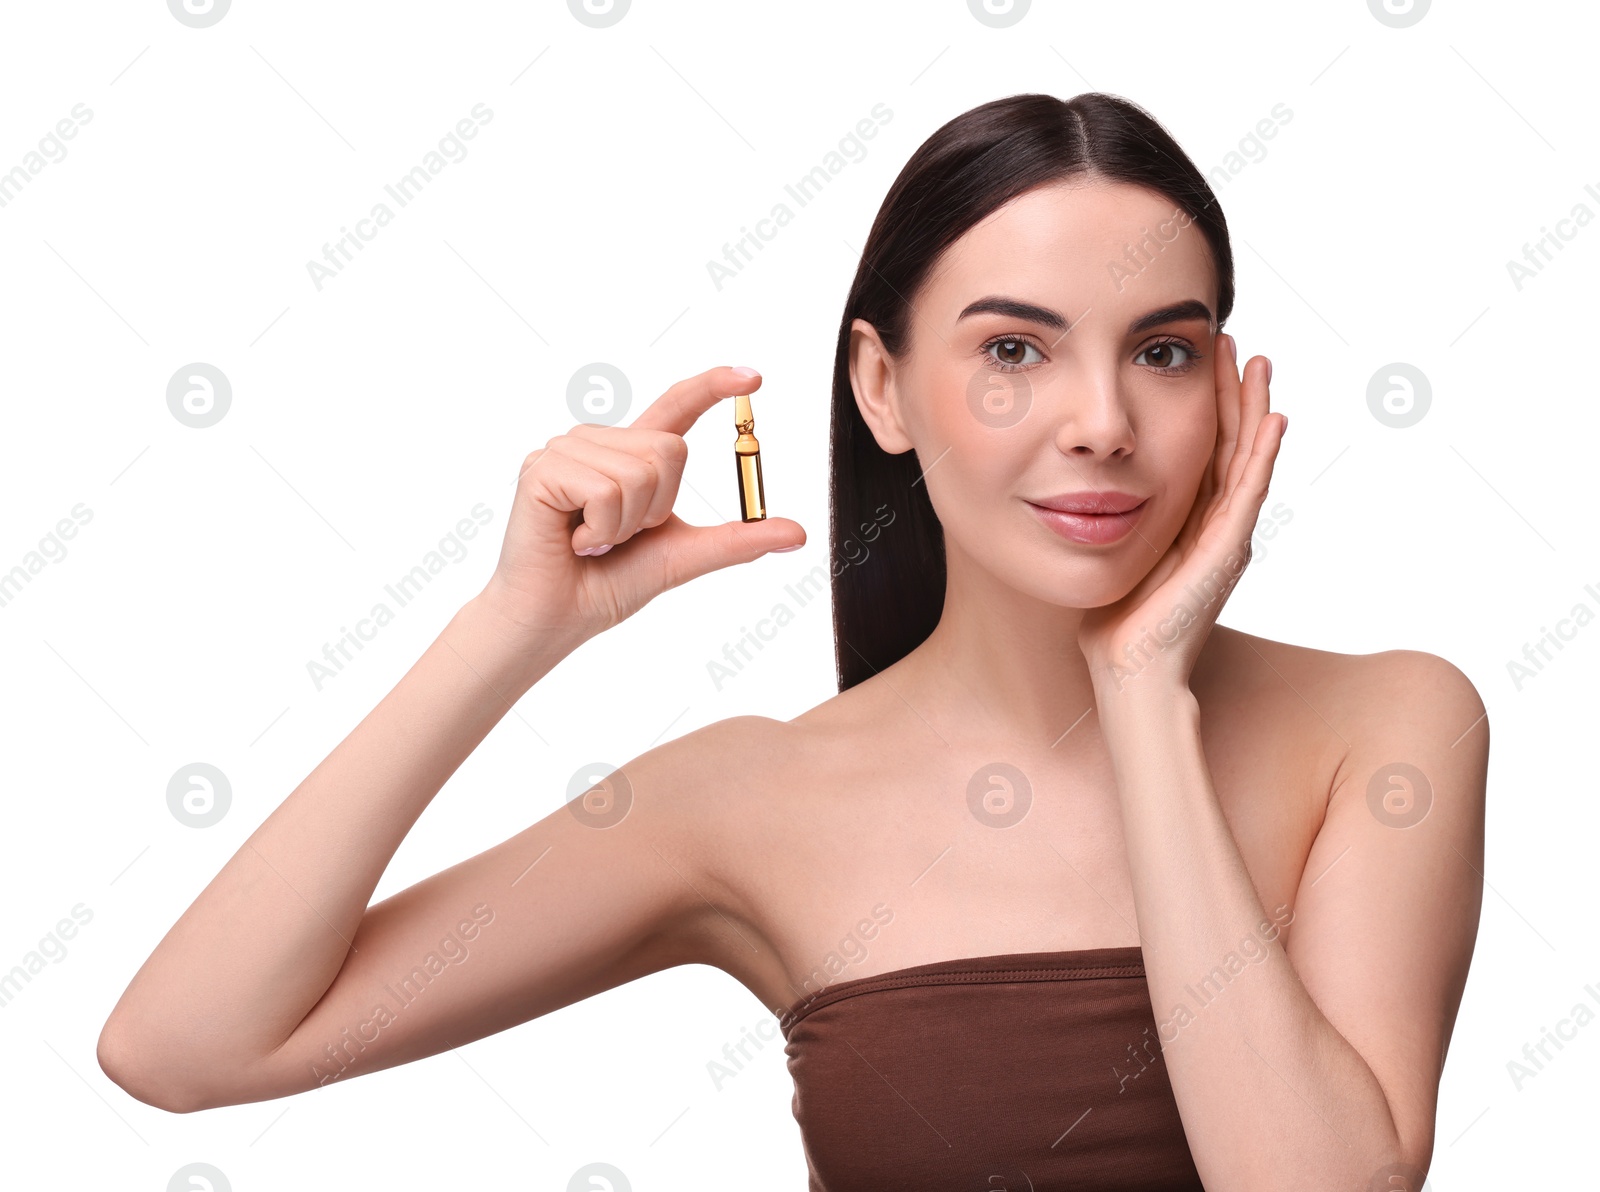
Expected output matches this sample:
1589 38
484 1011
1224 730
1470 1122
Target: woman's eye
1011 352
1163 356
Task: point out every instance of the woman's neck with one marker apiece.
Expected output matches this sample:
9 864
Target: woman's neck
1003 663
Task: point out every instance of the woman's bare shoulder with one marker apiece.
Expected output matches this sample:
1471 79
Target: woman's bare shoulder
722 796
1340 689
754 744
746 781
725 776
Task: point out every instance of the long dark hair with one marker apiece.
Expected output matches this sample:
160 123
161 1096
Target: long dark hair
886 545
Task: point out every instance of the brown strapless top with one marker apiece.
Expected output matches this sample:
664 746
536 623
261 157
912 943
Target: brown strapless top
1021 1072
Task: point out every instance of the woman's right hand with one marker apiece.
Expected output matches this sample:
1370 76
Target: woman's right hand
614 486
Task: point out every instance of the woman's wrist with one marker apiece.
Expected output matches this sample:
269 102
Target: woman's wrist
519 654
1143 704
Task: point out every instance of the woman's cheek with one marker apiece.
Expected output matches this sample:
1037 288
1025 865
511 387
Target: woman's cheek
1184 484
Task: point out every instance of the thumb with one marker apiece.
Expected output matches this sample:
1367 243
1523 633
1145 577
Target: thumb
692 551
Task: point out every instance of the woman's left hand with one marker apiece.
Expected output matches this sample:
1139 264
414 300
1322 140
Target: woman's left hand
1152 636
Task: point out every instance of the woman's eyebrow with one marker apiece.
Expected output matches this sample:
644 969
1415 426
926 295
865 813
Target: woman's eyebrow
996 304
1178 312
1015 308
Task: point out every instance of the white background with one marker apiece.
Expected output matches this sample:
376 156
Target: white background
370 416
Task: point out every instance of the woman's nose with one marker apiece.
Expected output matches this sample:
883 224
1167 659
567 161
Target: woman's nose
1092 416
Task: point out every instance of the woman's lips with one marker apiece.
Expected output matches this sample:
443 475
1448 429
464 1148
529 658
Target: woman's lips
1092 529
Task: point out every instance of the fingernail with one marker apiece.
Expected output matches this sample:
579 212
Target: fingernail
1233 348
742 371
783 550
1269 372
592 550
600 550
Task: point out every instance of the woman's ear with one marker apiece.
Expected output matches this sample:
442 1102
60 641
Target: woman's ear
872 378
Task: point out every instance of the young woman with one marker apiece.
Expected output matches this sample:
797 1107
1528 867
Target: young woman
1068 885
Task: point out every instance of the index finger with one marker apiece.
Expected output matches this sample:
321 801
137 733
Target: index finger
680 407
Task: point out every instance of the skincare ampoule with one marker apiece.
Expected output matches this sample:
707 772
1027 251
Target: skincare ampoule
747 459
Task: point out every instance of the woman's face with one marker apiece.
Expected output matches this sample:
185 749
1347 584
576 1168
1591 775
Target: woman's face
1062 348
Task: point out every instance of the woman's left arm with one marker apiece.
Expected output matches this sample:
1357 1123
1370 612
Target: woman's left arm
1316 1062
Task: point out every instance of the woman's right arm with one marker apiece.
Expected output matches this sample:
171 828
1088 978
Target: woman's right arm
280 977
